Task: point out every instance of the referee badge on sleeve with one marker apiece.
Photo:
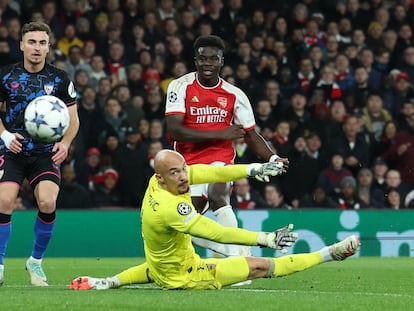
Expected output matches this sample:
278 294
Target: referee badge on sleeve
184 209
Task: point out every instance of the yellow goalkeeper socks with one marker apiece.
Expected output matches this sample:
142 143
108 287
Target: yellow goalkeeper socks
294 263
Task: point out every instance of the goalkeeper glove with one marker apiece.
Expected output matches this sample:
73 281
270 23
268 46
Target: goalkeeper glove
278 239
262 171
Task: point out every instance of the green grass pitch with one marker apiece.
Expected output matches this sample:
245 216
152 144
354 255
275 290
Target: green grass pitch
366 283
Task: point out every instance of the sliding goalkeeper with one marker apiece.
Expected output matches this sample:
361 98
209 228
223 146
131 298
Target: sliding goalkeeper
169 220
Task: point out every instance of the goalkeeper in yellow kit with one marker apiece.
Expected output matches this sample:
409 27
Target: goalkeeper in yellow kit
169 220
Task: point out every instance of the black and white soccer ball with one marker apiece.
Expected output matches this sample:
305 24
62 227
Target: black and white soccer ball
46 118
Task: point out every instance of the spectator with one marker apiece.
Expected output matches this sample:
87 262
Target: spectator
393 180
91 117
375 115
344 73
405 39
13 39
153 148
246 81
316 55
263 114
157 133
353 147
401 155
306 75
366 59
154 107
330 177
382 146
288 82
393 199
115 120
69 39
133 160
48 9
117 63
317 199
272 93
407 64
315 149
89 173
379 169
97 71
348 197
274 197
103 91
389 41
110 157
83 29
280 139
370 196
358 39
244 197
107 194
178 69
81 81
404 114
74 61
72 195
374 35
400 90
359 91
298 117
302 175
327 82
332 49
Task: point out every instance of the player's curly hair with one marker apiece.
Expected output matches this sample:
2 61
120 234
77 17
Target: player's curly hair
210 40
35 26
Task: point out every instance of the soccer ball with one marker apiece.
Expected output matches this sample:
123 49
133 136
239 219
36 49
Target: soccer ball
46 118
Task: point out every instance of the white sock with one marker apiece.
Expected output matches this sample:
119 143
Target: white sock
39 261
114 282
227 218
325 254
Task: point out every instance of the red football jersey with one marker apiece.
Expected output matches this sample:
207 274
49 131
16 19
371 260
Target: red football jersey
207 109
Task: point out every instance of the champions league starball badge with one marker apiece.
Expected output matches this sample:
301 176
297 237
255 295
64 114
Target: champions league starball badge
184 209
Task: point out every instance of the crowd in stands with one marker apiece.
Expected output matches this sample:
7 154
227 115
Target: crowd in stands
330 82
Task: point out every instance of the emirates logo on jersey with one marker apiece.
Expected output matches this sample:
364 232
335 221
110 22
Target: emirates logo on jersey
222 101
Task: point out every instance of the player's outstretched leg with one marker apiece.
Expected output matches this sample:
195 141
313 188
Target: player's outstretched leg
289 264
87 282
345 248
37 276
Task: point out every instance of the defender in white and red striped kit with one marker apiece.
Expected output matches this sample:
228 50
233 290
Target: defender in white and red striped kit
204 115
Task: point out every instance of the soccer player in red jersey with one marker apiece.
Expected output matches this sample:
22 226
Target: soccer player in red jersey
204 116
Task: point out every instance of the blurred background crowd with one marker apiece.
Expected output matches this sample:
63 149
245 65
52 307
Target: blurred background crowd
330 82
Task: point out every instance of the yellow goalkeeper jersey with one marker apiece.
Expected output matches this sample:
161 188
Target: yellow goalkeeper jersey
169 221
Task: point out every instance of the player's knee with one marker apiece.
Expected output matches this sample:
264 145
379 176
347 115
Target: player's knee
46 204
6 203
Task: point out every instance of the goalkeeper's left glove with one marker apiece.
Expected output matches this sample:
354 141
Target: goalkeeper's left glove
262 171
279 239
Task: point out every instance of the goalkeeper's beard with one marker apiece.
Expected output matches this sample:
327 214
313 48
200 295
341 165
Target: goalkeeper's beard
185 188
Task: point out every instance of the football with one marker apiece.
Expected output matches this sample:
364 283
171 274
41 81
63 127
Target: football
46 118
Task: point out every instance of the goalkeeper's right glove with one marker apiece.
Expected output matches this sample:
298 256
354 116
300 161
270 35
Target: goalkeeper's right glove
262 171
278 239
